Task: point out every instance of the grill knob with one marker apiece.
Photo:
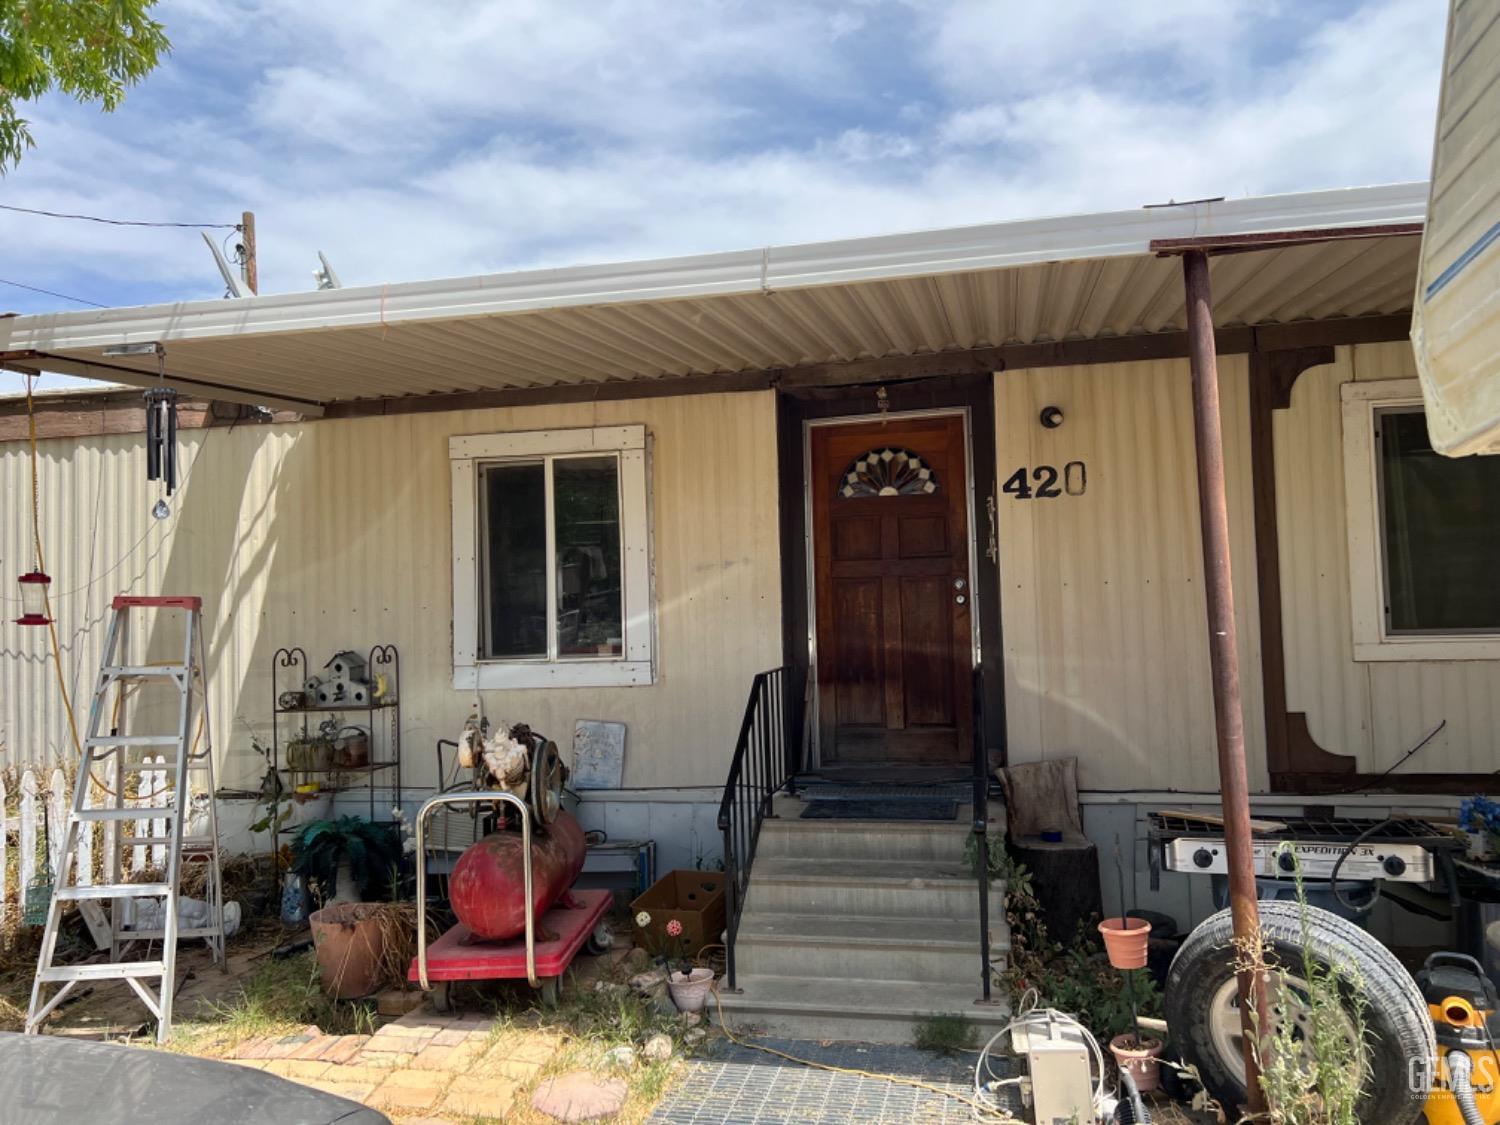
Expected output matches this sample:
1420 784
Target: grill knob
1394 866
1286 862
1203 858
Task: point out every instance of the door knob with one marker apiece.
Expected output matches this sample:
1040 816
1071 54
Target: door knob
959 583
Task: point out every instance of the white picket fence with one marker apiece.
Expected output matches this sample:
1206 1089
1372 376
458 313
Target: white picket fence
26 827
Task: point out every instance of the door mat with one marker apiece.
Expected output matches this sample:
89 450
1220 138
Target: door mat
881 810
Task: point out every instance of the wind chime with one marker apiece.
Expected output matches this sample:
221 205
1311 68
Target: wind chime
161 437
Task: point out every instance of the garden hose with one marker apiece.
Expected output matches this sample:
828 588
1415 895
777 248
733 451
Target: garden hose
1460 1082
1130 1109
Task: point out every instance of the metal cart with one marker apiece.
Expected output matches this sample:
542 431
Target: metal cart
574 923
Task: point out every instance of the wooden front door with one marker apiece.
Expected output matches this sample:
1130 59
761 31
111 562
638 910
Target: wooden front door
892 591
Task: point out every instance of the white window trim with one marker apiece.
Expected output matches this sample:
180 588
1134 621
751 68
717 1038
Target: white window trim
637 665
1360 401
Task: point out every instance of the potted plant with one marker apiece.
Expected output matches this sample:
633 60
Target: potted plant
688 984
356 858
348 859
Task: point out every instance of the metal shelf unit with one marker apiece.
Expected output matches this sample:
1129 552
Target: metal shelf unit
382 723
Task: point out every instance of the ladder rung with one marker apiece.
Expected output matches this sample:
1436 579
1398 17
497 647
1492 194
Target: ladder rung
188 842
132 740
158 935
108 970
141 671
149 813
115 890
141 767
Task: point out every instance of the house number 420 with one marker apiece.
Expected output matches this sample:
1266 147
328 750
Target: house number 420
1044 482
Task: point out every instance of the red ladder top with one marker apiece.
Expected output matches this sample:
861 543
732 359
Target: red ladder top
169 602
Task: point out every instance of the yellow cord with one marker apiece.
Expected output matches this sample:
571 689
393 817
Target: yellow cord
916 1083
41 564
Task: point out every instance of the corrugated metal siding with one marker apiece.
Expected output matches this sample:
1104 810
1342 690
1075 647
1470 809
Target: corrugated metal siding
787 327
1374 710
333 535
1105 624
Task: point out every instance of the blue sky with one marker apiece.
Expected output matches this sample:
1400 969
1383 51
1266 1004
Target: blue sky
437 139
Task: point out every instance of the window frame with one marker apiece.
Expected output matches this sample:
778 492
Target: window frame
636 665
1361 402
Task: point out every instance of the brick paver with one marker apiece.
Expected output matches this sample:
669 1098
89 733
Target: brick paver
448 1068
478 1097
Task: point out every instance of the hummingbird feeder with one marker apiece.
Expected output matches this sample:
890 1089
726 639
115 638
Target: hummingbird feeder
34 598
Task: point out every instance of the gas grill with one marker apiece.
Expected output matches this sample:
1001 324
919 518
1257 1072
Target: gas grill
1403 851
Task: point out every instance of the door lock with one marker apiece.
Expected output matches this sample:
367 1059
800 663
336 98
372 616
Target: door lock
959 583
960 599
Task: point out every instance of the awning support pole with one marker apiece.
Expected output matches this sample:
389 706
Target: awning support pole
1234 788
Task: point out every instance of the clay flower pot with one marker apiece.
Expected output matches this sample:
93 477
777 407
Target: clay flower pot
1142 1060
690 990
347 941
1125 940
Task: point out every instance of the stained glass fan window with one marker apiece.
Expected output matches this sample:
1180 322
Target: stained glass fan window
888 472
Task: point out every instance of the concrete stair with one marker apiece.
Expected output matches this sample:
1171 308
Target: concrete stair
855 929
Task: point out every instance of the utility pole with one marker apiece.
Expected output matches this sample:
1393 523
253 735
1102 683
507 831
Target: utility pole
247 239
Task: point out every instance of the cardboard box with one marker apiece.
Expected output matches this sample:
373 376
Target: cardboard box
694 898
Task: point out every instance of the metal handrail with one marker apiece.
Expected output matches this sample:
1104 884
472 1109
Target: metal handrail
473 797
982 826
764 763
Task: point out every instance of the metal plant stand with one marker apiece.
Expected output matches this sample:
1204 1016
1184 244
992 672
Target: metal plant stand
382 719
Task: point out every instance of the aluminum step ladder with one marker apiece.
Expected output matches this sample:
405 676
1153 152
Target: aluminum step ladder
109 758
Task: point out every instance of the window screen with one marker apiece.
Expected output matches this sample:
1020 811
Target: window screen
1440 521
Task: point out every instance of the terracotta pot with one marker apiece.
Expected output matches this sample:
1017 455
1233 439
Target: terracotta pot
1142 1061
1125 940
346 939
690 990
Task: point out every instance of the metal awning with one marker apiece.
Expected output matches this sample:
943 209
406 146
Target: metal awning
1044 280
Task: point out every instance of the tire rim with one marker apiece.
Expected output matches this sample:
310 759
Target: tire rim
1287 997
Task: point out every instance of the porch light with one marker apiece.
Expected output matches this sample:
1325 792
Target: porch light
34 599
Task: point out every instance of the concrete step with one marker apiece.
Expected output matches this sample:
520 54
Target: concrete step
937 950
868 1011
866 888
934 841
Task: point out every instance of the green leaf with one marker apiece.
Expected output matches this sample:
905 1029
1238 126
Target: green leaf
90 50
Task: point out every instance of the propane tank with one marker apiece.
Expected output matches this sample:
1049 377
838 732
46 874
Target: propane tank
487 887
1461 1000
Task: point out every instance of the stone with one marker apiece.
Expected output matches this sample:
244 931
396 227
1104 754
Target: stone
399 1001
579 1096
693 1036
633 959
620 1058
647 983
690 1019
658 1048
611 988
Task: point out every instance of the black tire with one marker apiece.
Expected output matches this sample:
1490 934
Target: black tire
441 997
1398 1027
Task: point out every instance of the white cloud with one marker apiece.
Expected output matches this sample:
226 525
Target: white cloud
470 137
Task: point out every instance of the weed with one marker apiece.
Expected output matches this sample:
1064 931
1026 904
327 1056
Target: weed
946 1034
281 996
1313 1070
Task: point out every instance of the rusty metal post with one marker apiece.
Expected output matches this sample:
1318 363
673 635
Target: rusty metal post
1234 787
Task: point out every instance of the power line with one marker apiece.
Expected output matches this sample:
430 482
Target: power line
116 222
51 293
